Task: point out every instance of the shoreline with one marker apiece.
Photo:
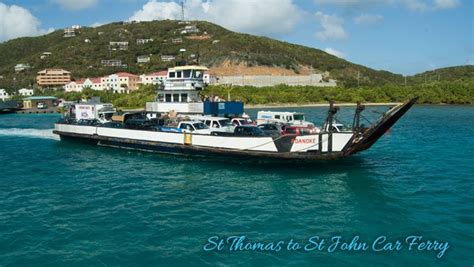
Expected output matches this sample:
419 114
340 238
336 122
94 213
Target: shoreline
293 105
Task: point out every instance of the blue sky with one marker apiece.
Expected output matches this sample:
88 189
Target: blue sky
402 36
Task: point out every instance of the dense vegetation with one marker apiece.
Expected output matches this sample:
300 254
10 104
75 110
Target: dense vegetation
456 92
83 58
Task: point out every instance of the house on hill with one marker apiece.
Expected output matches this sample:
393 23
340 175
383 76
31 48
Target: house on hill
26 92
22 67
112 63
118 45
167 58
79 85
144 41
143 59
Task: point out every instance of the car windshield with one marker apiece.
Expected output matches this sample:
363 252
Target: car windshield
298 117
200 126
225 123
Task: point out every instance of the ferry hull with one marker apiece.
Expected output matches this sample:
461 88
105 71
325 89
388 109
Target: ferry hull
191 150
322 146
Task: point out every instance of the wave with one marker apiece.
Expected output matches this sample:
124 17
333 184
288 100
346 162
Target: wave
29 133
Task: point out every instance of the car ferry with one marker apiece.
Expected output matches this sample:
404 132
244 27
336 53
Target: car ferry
168 126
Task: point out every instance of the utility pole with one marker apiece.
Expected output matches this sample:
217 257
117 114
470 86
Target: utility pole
182 10
358 78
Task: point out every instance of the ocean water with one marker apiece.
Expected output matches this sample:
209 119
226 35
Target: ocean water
71 204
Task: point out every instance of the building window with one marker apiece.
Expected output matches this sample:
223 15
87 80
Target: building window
175 97
168 98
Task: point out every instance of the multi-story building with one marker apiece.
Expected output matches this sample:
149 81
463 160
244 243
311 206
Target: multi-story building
121 82
53 77
154 78
69 32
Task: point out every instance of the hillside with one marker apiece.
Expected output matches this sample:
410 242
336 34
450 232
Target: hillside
445 74
223 50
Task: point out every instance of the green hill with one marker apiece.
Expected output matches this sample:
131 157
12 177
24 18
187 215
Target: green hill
84 59
445 74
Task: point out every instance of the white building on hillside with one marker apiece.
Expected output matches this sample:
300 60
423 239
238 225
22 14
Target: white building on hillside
121 82
4 95
143 59
26 92
154 78
78 86
22 67
144 41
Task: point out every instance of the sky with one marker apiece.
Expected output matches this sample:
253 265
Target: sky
401 36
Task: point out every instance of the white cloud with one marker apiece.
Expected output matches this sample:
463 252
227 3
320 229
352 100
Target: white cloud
334 52
332 27
368 19
446 4
260 17
75 4
98 24
16 21
414 5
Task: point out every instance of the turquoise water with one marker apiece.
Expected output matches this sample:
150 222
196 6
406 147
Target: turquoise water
69 204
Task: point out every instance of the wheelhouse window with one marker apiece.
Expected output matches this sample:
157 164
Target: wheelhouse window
184 98
298 117
172 74
168 98
175 97
198 74
187 74
179 74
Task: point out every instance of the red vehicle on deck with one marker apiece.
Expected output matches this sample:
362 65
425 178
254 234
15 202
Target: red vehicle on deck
299 130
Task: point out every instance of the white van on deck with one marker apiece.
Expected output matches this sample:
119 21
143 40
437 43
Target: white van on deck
293 118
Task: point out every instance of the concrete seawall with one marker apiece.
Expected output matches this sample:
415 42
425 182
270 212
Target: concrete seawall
270 80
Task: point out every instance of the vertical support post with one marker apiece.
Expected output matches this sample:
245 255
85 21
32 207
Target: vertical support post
356 121
329 123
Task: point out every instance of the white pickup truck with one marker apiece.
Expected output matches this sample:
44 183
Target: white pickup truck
216 124
194 127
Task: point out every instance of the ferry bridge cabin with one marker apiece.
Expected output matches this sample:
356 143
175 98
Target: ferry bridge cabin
180 93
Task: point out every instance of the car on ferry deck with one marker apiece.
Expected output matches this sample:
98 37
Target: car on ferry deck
272 129
299 130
